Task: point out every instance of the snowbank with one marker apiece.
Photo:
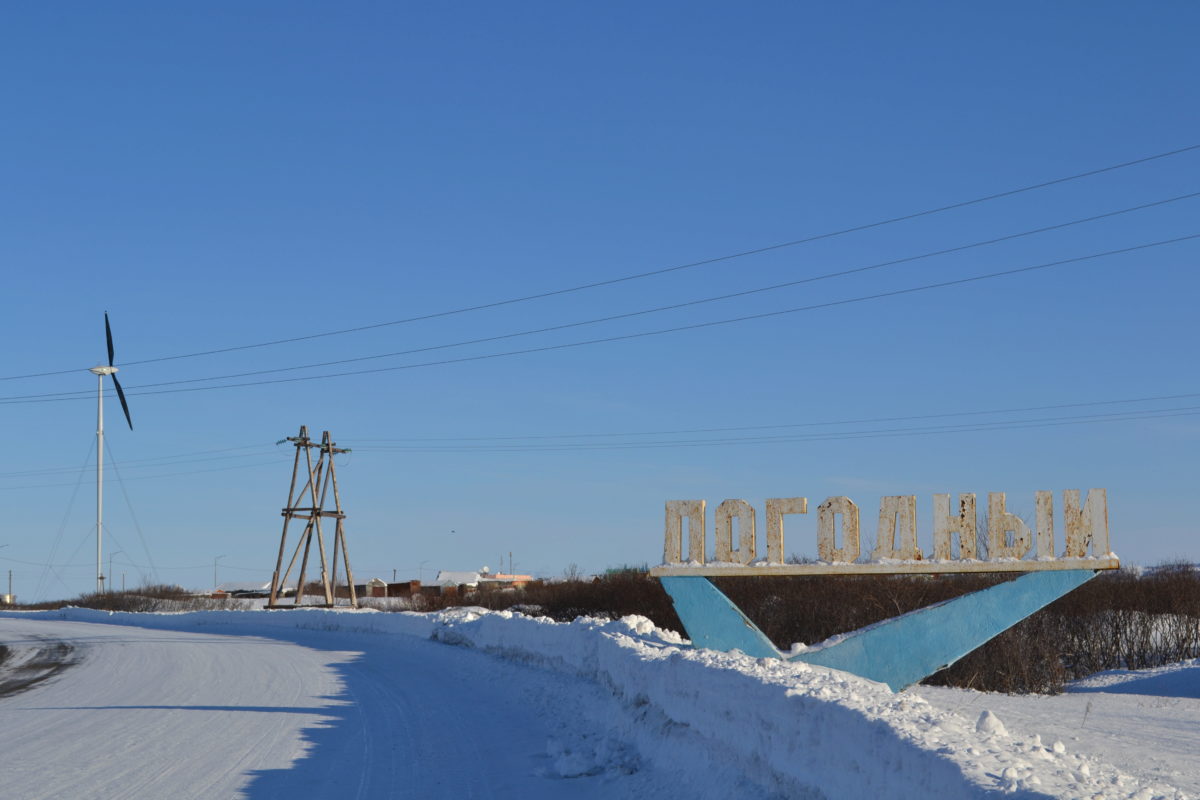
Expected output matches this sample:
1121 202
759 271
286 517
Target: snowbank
800 730
1181 679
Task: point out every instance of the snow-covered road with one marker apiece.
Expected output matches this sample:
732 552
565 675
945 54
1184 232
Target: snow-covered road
146 713
141 712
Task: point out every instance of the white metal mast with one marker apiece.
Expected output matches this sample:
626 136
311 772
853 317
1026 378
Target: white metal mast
100 372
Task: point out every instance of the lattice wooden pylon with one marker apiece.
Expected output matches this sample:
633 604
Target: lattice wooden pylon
321 476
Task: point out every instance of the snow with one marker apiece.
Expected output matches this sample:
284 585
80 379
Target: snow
990 725
1144 723
337 703
1175 680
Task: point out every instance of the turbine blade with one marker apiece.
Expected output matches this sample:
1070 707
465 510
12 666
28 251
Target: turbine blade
108 335
121 397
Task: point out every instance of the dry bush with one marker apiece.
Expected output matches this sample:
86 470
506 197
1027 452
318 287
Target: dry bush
811 609
159 597
1025 658
611 596
1119 619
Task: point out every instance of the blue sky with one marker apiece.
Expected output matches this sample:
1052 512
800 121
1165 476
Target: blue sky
230 174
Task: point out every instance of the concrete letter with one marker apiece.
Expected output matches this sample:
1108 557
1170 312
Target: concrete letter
723 527
672 548
1000 523
827 549
776 508
897 512
1088 525
1044 502
945 527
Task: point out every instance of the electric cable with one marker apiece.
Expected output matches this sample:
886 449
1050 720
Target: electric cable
631 314
366 444
147 463
62 526
132 514
661 331
272 463
651 273
359 443
976 427
602 340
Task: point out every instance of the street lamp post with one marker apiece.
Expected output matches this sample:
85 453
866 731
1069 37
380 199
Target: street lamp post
111 556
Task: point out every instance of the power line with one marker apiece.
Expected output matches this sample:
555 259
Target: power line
651 273
642 312
42 580
150 463
999 425
432 443
644 334
860 421
134 564
272 463
132 514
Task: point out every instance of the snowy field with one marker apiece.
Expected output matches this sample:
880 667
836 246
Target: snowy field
467 703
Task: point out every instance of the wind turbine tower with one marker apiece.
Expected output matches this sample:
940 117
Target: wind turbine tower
100 372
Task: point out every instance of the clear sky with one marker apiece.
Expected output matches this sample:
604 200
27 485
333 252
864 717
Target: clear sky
225 174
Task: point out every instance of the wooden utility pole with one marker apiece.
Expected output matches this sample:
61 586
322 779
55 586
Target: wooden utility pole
321 477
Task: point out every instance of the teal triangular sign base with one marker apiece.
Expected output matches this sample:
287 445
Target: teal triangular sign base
712 621
899 651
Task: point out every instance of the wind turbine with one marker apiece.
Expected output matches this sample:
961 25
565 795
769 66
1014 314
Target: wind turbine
100 371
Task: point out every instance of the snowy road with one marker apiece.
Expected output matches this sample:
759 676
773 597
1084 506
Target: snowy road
149 713
142 712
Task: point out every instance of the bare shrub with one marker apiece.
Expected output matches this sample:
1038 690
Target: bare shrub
1121 619
611 596
159 597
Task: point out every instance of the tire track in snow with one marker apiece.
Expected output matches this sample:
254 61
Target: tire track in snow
153 714
25 664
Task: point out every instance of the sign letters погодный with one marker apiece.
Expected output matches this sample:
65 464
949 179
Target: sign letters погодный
1007 543
904 649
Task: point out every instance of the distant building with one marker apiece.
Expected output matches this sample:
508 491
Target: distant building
455 578
249 589
482 580
501 580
